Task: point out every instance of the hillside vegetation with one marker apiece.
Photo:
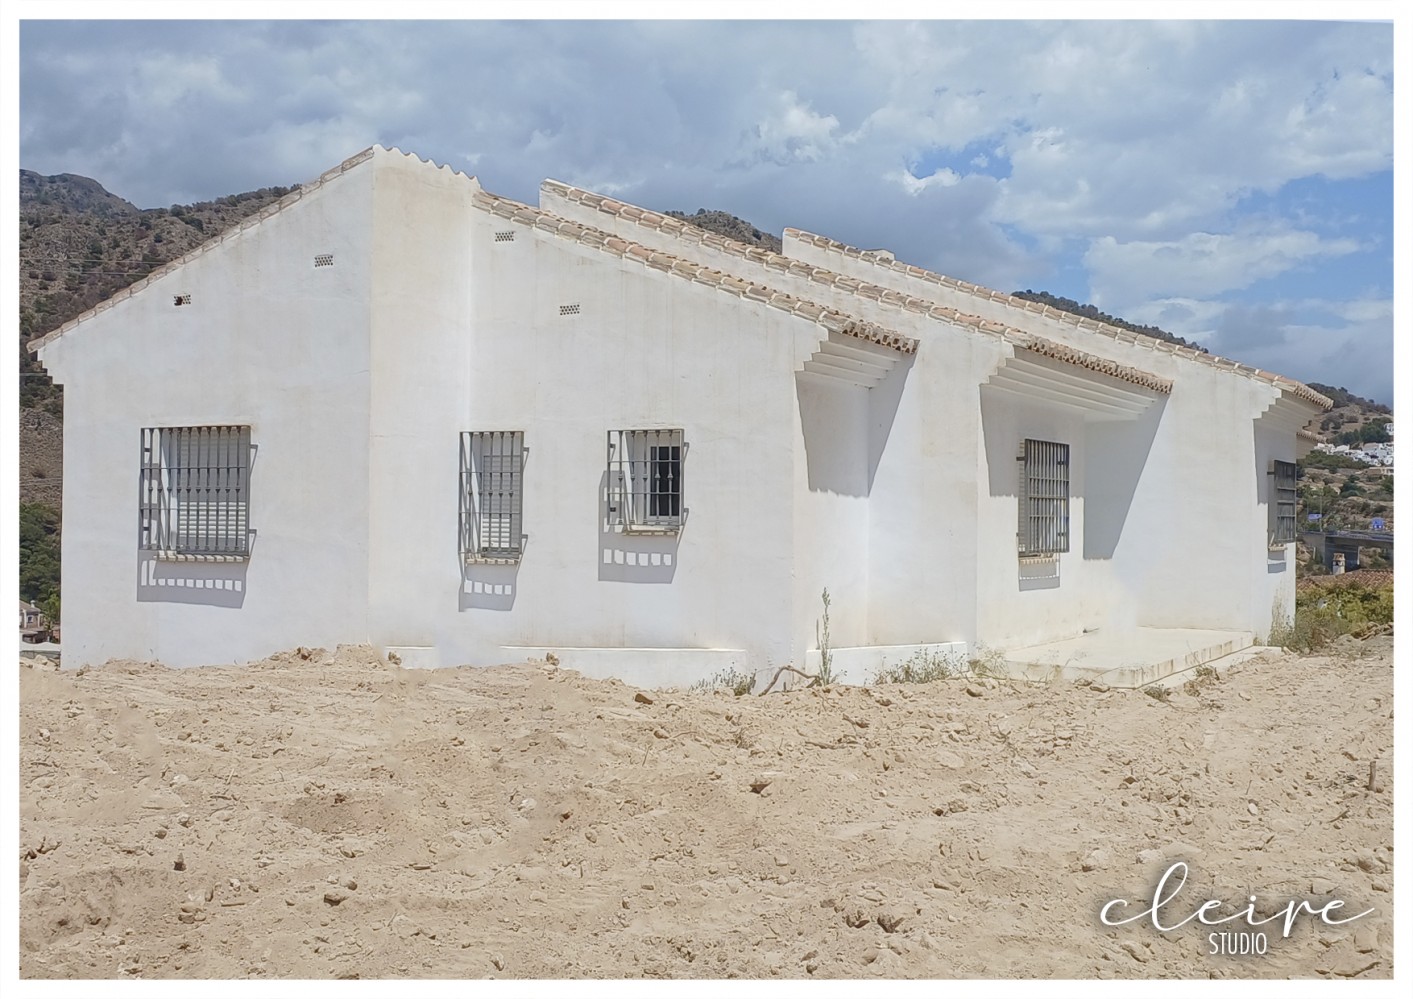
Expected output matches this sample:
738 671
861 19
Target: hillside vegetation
79 244
1092 312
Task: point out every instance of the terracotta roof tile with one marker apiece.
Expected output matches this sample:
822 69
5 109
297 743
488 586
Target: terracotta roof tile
1062 352
1296 388
865 289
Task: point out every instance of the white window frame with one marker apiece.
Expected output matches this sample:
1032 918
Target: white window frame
1044 498
194 492
646 476
492 498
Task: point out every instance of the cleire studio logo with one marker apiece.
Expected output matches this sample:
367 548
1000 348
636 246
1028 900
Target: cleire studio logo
1242 931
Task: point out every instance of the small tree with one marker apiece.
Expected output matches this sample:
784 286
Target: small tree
49 612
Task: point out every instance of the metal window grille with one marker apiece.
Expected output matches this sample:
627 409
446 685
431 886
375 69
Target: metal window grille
1044 498
194 497
1282 502
645 479
492 494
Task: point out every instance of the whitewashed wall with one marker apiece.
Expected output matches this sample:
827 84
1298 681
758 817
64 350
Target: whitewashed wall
270 341
358 380
942 537
1192 552
491 351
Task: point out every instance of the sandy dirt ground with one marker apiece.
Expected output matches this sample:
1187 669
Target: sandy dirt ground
339 817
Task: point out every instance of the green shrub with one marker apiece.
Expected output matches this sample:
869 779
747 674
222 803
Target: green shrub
739 684
987 662
1323 614
923 666
1358 603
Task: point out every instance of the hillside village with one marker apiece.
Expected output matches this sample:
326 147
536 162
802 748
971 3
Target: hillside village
1370 454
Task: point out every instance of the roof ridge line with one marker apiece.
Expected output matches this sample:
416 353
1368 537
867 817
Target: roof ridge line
249 222
833 320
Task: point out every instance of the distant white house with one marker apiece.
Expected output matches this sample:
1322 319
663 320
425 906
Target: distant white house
396 408
30 617
1371 454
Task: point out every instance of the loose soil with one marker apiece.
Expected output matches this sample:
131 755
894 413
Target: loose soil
329 815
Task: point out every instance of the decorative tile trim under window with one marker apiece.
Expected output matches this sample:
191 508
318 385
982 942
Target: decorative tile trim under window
1044 498
492 496
1280 506
194 493
645 481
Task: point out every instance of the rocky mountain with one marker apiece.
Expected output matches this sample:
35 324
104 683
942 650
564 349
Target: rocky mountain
79 244
728 225
71 193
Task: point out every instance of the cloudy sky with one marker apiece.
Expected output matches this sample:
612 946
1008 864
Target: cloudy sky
1230 181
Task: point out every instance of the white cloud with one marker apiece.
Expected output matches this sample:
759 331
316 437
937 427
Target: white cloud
1333 341
1137 140
944 177
1336 351
794 132
1189 318
165 79
1128 129
1201 263
1187 120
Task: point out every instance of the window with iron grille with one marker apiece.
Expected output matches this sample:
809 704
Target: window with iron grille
645 480
194 494
1044 498
492 495
1281 503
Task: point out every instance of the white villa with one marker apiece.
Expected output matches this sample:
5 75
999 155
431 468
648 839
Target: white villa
398 409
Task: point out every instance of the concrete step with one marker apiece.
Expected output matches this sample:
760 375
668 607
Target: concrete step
1221 665
1135 658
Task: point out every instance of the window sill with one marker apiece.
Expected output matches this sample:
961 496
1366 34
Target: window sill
490 559
651 529
170 556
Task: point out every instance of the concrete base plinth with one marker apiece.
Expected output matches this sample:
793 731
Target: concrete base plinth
1128 658
650 668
